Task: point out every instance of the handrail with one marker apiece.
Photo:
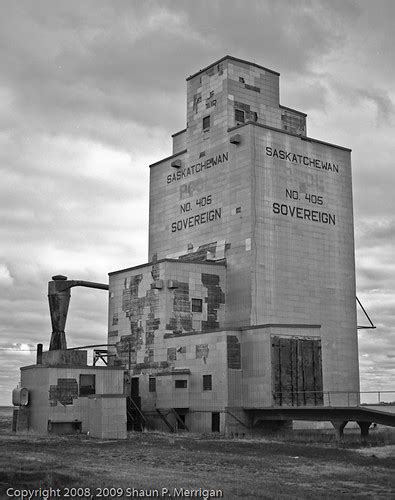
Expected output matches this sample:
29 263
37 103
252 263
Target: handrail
354 398
138 410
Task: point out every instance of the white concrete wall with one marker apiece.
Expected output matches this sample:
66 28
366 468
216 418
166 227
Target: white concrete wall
38 379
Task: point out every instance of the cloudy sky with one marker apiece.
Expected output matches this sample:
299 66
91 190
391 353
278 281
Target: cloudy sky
90 93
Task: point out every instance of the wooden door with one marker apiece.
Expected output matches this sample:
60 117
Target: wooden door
297 371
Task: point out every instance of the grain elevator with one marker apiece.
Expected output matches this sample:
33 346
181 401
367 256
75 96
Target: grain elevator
248 297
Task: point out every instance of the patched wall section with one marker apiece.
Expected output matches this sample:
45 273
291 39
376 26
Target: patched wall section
168 297
233 352
135 313
181 315
64 392
253 95
215 297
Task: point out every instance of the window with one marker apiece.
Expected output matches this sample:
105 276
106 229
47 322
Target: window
239 116
87 385
152 384
181 384
206 122
207 383
197 305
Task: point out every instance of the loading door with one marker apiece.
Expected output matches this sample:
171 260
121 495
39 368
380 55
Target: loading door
297 372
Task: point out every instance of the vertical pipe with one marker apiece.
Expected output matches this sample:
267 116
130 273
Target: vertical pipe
39 354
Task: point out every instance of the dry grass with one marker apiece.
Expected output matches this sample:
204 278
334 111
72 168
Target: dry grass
382 436
262 467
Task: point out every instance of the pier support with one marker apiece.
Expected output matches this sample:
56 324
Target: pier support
339 428
364 430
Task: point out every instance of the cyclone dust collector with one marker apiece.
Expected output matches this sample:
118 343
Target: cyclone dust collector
59 299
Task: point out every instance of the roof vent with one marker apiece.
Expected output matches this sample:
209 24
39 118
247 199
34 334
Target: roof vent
176 164
158 284
172 284
235 139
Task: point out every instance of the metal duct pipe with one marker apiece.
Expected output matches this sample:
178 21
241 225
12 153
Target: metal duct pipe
59 299
39 360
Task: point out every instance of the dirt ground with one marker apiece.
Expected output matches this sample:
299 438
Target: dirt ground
240 468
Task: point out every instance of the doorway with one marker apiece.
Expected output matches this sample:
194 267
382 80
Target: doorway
134 390
215 421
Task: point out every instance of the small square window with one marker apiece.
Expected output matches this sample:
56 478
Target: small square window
197 305
239 116
180 384
206 122
207 383
152 384
87 385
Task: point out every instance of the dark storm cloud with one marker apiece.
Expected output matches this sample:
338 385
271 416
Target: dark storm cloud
284 32
89 69
115 63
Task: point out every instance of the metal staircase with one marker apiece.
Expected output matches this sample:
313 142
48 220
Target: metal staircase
136 420
172 411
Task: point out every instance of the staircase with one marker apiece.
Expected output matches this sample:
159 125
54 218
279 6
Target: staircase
136 420
172 411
